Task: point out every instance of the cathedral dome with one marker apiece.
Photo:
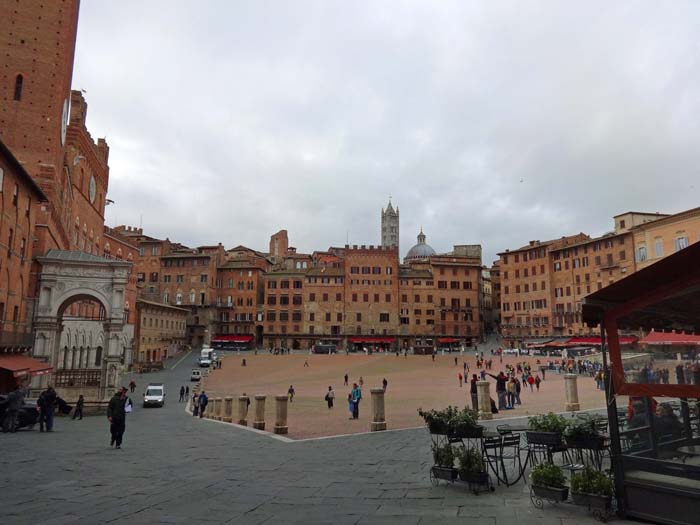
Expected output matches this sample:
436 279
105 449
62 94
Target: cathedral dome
420 250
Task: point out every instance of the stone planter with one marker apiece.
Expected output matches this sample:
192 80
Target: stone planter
446 473
551 493
477 478
593 501
438 427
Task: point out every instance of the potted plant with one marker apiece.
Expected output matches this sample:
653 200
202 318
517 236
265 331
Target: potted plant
437 421
592 488
463 424
583 435
546 429
444 457
548 482
471 466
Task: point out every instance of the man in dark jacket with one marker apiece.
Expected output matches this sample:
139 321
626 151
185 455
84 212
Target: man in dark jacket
473 392
15 400
203 402
45 404
500 389
116 413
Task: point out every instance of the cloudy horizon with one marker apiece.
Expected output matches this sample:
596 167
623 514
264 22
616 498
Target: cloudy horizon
490 123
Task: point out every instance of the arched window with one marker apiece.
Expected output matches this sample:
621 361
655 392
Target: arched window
18 87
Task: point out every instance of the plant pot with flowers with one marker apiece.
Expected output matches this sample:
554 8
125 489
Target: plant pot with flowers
548 482
444 458
546 429
593 489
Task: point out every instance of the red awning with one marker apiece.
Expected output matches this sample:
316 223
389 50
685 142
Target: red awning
447 340
232 339
21 365
371 339
577 341
670 338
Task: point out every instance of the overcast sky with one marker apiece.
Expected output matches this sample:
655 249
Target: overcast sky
487 122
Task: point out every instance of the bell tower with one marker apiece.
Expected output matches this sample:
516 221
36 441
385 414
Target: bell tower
390 226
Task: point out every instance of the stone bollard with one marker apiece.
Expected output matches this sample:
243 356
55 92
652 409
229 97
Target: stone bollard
217 409
378 419
228 410
281 415
243 410
259 421
484 399
571 389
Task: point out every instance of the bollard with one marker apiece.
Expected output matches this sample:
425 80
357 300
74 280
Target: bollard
378 420
228 410
281 415
243 410
219 406
259 421
484 399
571 390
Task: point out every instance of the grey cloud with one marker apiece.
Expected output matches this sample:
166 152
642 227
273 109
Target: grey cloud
230 120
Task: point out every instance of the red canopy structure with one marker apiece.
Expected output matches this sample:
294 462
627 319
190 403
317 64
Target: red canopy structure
21 365
579 341
447 340
670 339
232 339
371 339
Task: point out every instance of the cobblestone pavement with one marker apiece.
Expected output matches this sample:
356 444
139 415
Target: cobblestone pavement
174 468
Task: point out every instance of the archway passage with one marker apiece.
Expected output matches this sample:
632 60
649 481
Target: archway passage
81 321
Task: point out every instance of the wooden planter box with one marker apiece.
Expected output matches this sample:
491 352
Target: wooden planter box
593 501
467 432
587 443
446 473
551 493
549 439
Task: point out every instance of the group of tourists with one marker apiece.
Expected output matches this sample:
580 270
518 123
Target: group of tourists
184 394
199 403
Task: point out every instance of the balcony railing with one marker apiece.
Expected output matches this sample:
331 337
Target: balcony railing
16 339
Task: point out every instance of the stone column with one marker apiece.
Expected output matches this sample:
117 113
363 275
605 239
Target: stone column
259 421
243 410
378 420
571 389
281 415
228 410
217 408
484 398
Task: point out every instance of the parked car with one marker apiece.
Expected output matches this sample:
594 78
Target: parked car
154 395
511 351
27 416
204 362
321 348
196 374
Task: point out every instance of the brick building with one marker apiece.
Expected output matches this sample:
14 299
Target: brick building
654 240
160 331
18 192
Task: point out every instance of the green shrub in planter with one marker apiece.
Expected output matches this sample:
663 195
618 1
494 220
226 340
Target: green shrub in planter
548 475
444 456
591 481
470 461
583 434
550 422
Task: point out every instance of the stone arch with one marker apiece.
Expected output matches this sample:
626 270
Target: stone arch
81 294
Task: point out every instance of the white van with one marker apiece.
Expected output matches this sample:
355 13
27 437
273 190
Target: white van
154 395
196 374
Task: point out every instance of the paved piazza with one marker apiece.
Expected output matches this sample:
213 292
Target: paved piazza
414 382
174 468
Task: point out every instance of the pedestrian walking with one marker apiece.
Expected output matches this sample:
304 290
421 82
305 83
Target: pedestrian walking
356 397
306 363
531 382
473 392
518 388
385 383
432 355
455 361
537 382
132 386
330 396
465 369
243 362
501 380
116 414
351 406
345 380
203 402
290 393
187 391
362 382
195 404
15 400
182 394
460 379
79 407
46 405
